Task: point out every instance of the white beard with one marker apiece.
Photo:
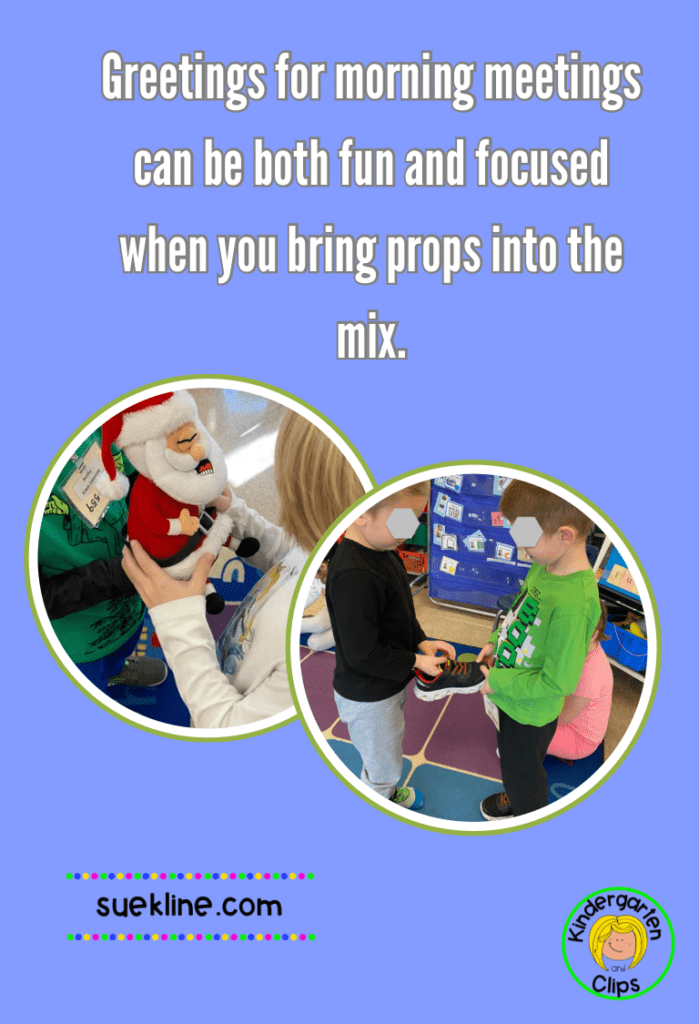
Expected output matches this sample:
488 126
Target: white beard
175 472
181 461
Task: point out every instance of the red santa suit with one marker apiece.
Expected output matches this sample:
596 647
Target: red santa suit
154 519
141 432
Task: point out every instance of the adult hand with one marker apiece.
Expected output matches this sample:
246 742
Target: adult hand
433 647
485 688
153 583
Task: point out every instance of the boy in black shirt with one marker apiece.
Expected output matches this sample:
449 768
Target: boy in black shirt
377 637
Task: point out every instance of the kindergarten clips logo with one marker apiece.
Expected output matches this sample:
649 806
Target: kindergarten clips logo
618 943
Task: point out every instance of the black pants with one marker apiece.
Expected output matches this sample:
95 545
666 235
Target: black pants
522 752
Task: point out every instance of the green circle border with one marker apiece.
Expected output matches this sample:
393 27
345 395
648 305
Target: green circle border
602 995
191 378
376 491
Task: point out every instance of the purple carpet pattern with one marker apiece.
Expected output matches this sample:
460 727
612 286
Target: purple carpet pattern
449 749
453 733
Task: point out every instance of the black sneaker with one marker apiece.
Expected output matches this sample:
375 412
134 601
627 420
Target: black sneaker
496 807
456 677
141 672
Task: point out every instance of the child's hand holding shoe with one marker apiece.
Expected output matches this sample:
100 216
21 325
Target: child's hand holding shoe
432 648
485 659
430 661
429 664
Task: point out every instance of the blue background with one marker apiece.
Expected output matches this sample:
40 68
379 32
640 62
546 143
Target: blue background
584 378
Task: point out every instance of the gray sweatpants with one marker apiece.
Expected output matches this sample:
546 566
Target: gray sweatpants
376 729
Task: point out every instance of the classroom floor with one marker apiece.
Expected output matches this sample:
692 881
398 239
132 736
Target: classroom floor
449 748
450 745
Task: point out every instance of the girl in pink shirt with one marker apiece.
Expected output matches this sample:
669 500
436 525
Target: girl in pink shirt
583 721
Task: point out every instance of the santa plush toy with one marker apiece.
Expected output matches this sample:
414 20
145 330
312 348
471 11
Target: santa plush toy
178 503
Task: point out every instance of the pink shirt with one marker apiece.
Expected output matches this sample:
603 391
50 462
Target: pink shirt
596 684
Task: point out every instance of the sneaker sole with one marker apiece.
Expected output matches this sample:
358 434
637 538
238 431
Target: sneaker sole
412 807
495 817
445 691
116 681
121 681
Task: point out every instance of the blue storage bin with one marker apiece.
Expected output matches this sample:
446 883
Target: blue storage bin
624 647
633 650
611 646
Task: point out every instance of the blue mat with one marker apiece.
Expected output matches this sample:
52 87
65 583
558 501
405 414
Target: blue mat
351 759
564 777
455 796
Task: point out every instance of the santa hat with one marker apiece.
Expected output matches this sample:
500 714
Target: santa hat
152 418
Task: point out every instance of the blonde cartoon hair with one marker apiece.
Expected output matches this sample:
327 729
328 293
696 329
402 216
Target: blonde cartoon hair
315 481
602 929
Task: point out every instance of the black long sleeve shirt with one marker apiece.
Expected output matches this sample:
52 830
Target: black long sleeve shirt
86 585
373 618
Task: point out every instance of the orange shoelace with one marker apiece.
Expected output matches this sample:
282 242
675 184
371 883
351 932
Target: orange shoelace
456 668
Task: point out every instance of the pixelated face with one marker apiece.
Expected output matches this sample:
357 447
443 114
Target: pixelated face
546 550
378 529
402 523
620 947
525 532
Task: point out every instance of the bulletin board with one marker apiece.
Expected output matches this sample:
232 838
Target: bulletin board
473 559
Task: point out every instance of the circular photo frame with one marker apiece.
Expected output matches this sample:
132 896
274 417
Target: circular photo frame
259 451
328 744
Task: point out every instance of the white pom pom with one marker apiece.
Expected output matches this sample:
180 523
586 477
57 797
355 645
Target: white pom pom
115 489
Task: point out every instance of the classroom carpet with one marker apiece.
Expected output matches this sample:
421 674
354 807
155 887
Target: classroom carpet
163 703
449 748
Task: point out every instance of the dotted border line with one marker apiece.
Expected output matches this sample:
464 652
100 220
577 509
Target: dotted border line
186 876
86 936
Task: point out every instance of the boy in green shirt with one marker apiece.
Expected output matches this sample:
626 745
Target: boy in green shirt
94 610
541 646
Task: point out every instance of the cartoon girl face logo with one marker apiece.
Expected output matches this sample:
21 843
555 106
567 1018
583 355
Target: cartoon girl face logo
603 950
618 938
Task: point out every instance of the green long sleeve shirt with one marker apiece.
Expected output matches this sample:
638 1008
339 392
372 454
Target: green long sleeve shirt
66 543
542 644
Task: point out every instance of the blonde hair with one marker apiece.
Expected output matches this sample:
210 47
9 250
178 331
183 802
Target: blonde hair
419 490
520 499
602 929
315 481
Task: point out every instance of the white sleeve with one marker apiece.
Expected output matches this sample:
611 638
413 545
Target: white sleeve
274 542
212 700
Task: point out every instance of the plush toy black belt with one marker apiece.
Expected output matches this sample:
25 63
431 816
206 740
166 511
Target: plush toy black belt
191 545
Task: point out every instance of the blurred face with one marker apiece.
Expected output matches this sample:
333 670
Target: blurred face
547 549
620 947
373 527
